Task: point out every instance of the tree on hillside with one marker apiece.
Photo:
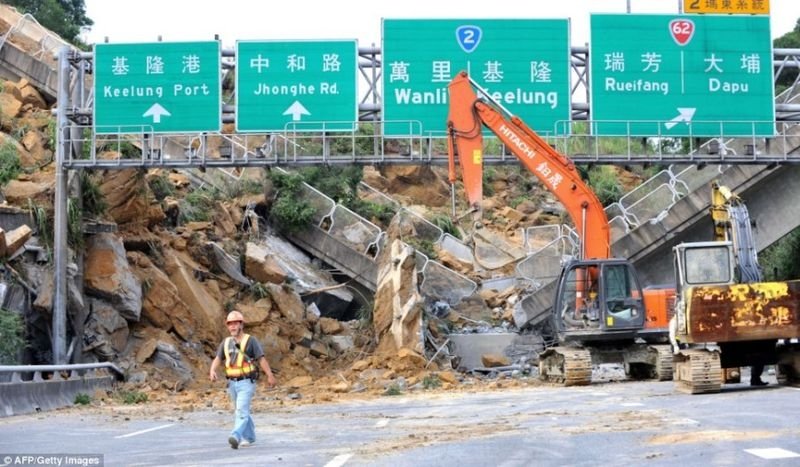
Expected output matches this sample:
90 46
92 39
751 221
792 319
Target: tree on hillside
790 40
64 17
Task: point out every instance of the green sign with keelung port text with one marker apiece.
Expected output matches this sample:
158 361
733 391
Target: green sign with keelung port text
523 64
678 75
157 87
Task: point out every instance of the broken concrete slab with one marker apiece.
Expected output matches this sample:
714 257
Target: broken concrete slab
470 348
228 264
307 279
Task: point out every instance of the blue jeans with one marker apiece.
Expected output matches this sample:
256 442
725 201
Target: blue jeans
241 393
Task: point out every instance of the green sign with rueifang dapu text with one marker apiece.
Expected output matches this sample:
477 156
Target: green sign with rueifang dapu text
296 86
157 87
523 64
667 75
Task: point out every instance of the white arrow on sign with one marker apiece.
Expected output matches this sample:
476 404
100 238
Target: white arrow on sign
156 111
296 110
685 114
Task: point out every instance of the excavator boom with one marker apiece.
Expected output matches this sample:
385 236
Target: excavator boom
468 114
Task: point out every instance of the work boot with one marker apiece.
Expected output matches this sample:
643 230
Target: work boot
233 441
758 382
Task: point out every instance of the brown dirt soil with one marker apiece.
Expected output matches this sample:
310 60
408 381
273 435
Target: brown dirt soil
710 436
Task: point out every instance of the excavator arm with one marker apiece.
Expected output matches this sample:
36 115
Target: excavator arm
732 223
468 114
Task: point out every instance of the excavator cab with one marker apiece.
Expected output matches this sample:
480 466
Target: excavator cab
704 263
595 297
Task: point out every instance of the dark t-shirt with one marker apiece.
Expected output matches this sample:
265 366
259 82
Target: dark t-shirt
253 349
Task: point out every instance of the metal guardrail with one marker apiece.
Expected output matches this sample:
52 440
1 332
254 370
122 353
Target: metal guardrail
34 388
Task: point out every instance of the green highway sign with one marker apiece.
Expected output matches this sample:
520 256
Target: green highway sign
524 65
296 86
157 87
673 75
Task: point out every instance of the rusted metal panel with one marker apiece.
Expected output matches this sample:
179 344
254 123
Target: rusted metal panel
742 312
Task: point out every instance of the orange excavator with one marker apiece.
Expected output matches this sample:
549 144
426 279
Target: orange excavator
600 311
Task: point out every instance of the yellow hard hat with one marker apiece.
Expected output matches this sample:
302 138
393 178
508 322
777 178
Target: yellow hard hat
234 316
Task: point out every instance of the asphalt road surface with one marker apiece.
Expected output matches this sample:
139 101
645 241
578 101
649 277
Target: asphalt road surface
630 423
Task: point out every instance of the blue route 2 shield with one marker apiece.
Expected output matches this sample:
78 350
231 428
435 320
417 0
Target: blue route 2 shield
468 37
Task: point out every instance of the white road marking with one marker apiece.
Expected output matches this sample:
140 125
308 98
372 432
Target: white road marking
144 431
685 421
382 423
339 460
772 453
631 404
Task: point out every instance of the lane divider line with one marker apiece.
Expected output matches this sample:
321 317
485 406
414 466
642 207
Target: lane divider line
339 460
772 453
135 433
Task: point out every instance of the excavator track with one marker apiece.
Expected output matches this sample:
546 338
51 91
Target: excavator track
698 371
567 366
663 366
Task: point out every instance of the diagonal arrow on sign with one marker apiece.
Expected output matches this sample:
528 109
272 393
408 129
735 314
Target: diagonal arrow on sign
685 114
296 110
156 111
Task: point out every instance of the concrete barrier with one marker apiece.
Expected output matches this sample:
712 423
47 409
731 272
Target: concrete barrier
19 396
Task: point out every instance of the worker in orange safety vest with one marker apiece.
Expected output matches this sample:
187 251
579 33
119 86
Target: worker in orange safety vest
243 355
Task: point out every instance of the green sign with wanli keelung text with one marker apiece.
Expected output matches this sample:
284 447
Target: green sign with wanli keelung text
157 87
679 75
523 64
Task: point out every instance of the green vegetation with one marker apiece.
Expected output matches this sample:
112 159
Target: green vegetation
237 188
12 340
82 399
363 139
377 213
51 134
161 186
9 162
779 260
132 397
603 180
43 222
790 40
517 201
64 17
290 210
393 390
197 205
364 315
74 224
423 246
258 291
92 198
292 214
125 149
338 182
446 224
431 381
489 174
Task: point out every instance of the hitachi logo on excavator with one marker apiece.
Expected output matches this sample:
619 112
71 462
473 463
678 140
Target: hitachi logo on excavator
521 145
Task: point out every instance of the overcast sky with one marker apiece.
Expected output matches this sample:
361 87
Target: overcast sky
180 20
